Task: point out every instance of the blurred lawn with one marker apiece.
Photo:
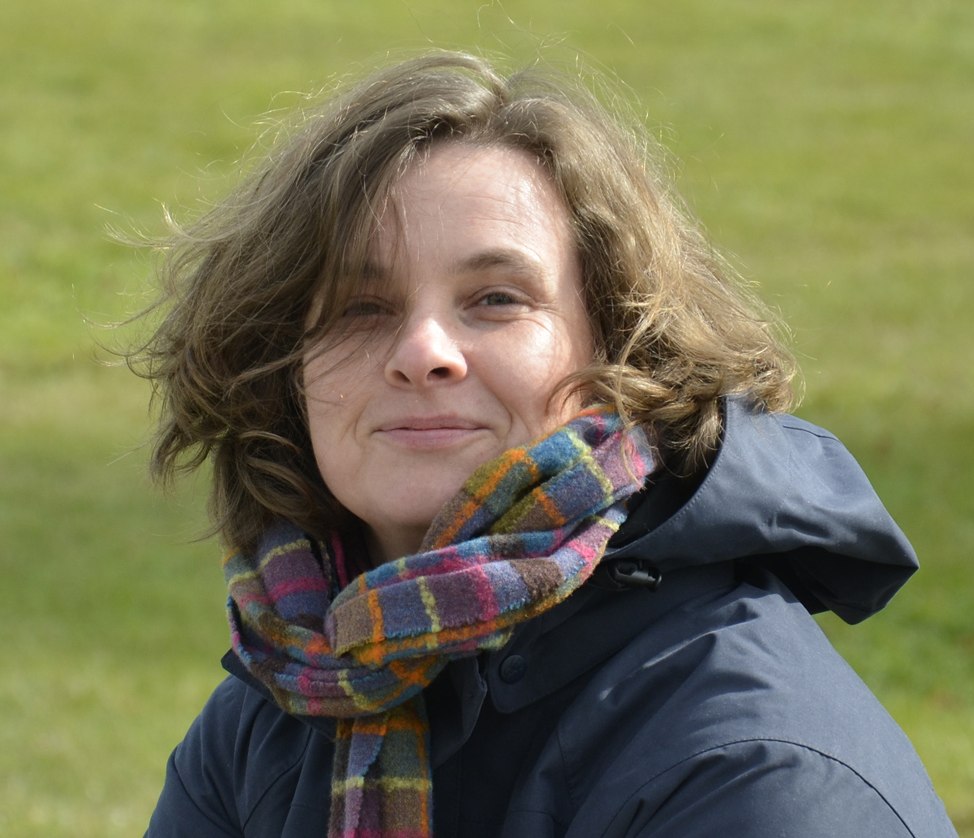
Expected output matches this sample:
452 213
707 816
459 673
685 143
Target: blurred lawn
828 145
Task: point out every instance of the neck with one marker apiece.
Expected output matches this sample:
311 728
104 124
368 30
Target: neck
391 543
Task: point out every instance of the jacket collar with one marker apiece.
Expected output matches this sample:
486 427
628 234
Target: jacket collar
784 495
548 653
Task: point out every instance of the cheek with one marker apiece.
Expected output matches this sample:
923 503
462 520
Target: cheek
327 405
332 443
526 379
334 382
321 400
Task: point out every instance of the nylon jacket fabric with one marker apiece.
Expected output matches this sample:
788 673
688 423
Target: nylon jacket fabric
712 704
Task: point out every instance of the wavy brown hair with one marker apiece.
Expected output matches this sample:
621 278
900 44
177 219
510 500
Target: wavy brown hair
674 328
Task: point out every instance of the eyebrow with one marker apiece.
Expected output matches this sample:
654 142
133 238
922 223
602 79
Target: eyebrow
507 259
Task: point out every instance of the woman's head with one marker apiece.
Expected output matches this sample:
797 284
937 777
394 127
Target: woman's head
468 318
263 282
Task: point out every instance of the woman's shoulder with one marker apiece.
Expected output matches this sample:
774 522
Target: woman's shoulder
238 748
241 727
760 788
740 700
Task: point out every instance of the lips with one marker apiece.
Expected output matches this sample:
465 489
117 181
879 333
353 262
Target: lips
428 432
429 423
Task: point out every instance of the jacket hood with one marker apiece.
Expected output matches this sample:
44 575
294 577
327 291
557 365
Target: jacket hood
786 496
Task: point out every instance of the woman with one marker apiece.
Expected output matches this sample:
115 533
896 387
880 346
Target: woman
521 543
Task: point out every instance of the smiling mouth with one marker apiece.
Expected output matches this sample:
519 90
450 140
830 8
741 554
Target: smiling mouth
429 433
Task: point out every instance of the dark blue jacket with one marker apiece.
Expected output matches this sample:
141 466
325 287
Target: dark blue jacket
707 704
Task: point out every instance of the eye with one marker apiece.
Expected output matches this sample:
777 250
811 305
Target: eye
498 298
365 307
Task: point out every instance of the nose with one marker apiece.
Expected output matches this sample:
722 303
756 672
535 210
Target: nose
425 354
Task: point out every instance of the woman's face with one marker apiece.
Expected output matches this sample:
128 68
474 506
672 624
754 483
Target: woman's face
470 314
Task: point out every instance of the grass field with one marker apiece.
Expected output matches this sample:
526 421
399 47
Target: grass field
826 145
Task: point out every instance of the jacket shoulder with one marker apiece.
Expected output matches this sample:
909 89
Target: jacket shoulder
237 750
731 714
762 788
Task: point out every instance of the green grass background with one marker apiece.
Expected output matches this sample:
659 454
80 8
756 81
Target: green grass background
827 145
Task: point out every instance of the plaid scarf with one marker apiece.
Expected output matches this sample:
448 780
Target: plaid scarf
524 532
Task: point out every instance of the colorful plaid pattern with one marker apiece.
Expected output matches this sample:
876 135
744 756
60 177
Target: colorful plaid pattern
524 532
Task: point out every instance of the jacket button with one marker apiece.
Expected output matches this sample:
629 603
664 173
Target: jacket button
512 669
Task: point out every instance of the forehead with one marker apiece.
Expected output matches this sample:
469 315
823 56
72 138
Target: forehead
462 197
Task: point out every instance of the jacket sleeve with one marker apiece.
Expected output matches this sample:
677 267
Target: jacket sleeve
198 797
765 788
